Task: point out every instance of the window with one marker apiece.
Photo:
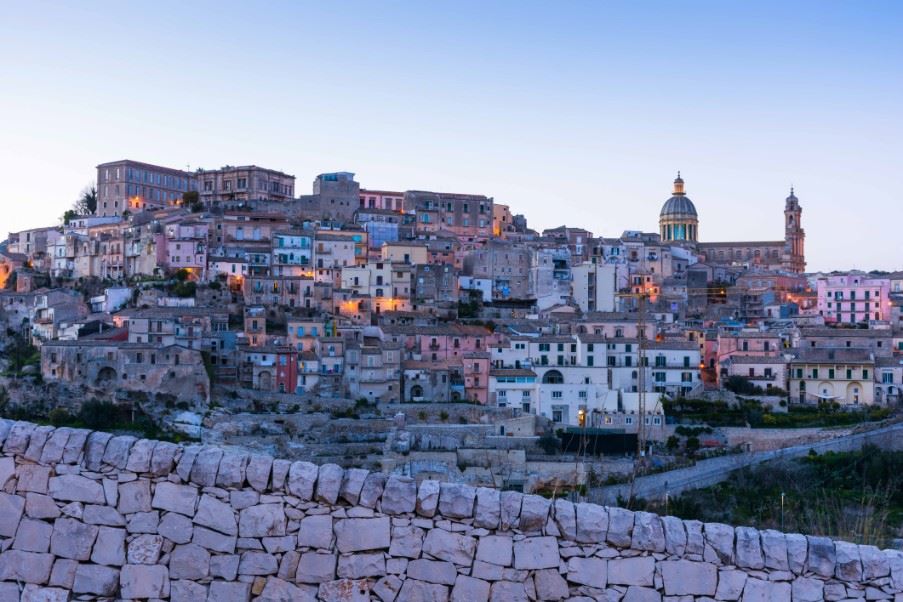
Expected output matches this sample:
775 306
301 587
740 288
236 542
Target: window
556 394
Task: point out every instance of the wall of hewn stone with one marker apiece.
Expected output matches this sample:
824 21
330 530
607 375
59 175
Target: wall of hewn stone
89 515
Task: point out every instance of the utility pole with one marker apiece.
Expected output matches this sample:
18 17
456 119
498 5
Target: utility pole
642 344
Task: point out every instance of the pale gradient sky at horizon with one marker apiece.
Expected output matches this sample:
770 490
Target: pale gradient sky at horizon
575 113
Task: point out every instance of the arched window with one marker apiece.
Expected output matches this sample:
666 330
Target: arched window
552 377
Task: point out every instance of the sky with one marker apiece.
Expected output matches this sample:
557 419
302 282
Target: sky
576 113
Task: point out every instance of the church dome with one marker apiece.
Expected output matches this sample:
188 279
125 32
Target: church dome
678 205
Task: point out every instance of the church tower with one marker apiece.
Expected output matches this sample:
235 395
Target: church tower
794 236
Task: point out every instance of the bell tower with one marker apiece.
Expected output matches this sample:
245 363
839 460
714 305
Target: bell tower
794 236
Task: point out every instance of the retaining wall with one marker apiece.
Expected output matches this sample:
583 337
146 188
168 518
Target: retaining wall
87 515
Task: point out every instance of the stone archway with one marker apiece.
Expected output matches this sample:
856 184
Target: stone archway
265 381
105 376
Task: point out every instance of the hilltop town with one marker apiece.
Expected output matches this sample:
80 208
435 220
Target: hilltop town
433 334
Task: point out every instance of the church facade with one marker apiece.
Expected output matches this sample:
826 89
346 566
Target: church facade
679 224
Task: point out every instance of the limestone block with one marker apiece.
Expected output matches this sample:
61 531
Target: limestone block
639 570
231 471
229 591
7 470
17 439
36 442
774 549
620 526
749 549
847 564
550 585
187 591
487 512
76 488
116 454
874 563
176 528
5 426
240 499
140 456
456 500
452 547
216 515
807 589
163 457
110 547
352 483
75 446
142 522
372 490
144 581
536 553
314 567
534 512
205 467
35 593
186 461
72 539
145 549
189 561
39 506
507 591
302 477
278 545
55 447
94 514
432 571
175 498
279 589
264 520
257 563
719 541
428 498
468 589
758 590
134 497
496 549
399 495
588 571
566 518
510 509
387 588
225 566
686 578
821 557
797 552
258 471
280 474
359 566
648 533
32 477
329 483
33 536
730 584
95 579
11 509
316 532
211 540
421 591
407 542
695 538
361 534
675 535
27 567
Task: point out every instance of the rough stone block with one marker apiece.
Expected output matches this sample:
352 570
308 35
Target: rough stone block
807 589
33 536
205 467
316 532
821 557
730 584
399 495
163 458
360 566
566 518
510 509
874 563
144 581
76 488
639 570
456 500
110 547
361 534
176 527
229 591
264 520
145 549
11 509
495 549
314 567
26 567
33 477
797 552
257 563
453 547
372 489
189 561
468 589
421 590
407 542
487 512
675 535
588 571
95 579
140 455
231 471
329 483
212 540
536 553
175 498
620 526
774 549
134 497
648 533
686 578
216 515
72 539
534 513
352 483
258 471
719 540
428 498
302 477
749 549
847 564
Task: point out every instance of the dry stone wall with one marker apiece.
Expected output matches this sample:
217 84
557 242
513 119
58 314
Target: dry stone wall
88 515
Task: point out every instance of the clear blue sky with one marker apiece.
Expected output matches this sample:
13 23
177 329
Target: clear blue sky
571 112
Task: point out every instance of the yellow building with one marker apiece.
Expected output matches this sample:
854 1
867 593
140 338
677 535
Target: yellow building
844 376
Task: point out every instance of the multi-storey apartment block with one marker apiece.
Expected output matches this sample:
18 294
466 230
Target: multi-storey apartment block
135 186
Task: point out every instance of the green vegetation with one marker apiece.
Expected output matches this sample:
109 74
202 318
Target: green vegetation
742 386
99 416
856 496
753 413
20 353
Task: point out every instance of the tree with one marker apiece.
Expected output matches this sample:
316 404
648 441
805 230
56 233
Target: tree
86 204
192 200
68 216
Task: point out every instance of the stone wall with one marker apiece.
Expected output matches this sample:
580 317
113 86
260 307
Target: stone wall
88 515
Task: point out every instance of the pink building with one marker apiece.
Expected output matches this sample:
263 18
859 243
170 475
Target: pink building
382 199
852 298
186 247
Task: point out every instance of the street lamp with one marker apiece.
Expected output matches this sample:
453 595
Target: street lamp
782 511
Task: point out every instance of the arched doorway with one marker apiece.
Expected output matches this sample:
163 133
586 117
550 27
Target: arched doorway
106 376
265 381
552 377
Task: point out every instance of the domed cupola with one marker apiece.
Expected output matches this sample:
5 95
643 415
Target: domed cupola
678 220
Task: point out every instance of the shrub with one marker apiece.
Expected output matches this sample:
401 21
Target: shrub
549 444
443 415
